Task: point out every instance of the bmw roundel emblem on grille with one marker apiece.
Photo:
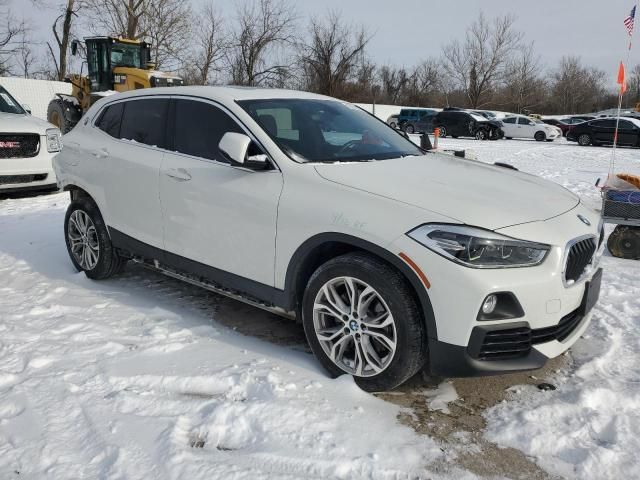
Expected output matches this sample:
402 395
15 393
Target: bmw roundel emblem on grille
584 220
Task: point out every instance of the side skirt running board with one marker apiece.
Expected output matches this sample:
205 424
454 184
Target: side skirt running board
204 283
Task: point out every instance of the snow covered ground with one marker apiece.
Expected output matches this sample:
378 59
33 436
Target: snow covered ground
132 378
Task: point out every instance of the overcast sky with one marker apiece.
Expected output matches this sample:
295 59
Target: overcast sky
406 31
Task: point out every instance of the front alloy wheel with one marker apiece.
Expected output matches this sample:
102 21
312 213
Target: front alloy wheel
354 326
360 317
584 139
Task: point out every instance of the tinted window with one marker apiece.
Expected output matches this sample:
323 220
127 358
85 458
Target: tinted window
8 104
144 121
110 119
604 123
626 125
199 127
509 120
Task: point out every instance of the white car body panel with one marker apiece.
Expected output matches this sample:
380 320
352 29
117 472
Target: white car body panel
527 128
252 223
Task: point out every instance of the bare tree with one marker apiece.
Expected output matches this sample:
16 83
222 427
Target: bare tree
523 89
576 88
210 47
263 27
123 18
10 30
167 25
476 65
333 54
61 29
26 58
633 87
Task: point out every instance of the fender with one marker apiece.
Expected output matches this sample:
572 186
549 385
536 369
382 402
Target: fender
299 260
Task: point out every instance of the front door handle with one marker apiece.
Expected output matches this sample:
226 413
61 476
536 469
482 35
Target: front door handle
101 153
179 174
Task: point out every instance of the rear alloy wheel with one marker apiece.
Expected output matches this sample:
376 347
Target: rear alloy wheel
540 136
624 242
360 319
443 132
584 139
409 128
481 135
88 241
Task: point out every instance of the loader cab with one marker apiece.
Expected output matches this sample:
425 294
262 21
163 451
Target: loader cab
106 53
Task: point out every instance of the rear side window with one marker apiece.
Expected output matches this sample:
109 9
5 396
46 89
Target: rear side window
509 120
199 127
143 121
109 121
604 123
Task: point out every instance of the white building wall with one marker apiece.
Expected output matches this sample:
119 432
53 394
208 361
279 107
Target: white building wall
35 93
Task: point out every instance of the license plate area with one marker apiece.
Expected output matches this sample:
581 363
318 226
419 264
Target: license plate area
591 293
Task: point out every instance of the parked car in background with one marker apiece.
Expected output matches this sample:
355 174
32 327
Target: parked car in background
424 124
576 119
27 146
519 126
459 123
602 131
395 263
411 116
564 127
392 121
485 113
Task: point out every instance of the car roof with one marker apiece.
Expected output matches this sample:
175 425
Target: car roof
227 93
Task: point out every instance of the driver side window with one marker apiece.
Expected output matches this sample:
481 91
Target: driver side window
199 127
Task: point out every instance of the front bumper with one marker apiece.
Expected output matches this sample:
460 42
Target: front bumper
457 293
31 173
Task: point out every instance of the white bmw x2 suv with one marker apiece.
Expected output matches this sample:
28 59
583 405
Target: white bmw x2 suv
392 257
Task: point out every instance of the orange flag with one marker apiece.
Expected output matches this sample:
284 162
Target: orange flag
621 80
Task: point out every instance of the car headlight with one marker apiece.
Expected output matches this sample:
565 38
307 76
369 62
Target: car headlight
479 248
54 140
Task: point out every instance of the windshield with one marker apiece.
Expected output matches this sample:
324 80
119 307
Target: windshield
8 104
327 131
123 55
478 118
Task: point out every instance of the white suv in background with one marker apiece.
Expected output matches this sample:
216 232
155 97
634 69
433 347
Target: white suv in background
392 257
27 146
519 126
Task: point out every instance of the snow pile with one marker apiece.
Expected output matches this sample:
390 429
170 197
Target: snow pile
126 378
587 428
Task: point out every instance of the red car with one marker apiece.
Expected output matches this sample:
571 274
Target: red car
565 127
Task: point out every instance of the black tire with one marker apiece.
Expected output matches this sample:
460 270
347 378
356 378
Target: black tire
393 125
509 138
584 140
63 115
481 135
411 336
109 260
443 132
540 136
624 242
455 136
550 139
409 128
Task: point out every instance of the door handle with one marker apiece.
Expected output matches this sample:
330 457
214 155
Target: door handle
102 153
179 174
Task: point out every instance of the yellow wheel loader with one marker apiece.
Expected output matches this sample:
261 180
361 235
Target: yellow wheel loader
114 65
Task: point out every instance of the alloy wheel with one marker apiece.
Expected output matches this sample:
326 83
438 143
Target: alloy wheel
584 139
354 326
83 240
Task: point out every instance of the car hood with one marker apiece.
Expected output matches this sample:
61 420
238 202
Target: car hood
14 123
466 191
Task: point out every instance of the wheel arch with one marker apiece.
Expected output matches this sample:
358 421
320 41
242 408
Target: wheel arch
323 247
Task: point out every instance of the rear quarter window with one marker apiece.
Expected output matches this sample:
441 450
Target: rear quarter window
144 121
109 121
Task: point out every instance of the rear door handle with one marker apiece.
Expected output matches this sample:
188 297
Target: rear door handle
179 174
102 153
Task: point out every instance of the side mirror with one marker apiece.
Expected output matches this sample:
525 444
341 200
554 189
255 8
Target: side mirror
27 108
235 146
74 48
